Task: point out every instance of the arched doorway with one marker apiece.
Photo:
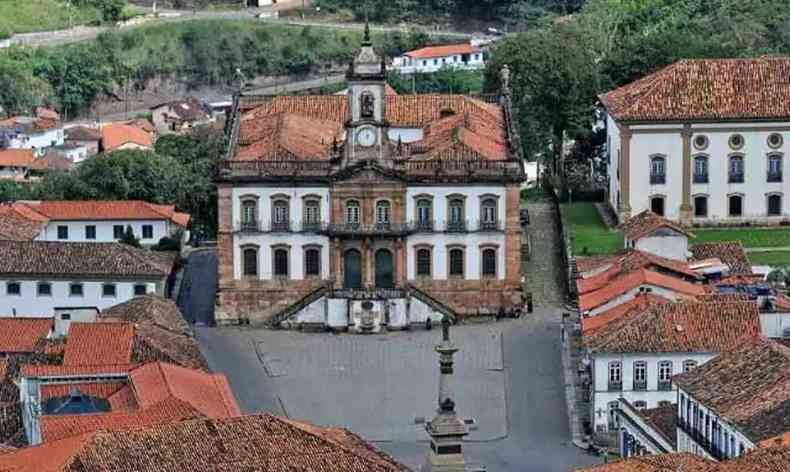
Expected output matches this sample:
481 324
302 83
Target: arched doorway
385 273
352 269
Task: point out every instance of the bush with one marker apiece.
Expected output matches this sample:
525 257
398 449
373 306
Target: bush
129 238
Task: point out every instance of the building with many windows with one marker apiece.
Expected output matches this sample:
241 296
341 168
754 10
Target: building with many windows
369 209
635 354
702 142
434 58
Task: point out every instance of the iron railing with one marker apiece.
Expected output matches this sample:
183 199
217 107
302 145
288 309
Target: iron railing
701 178
640 385
658 179
736 177
664 385
774 177
615 386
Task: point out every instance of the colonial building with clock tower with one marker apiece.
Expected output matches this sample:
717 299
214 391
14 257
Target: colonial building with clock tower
369 210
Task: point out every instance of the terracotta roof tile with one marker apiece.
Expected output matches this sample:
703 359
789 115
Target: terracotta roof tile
443 51
83 133
730 253
678 327
16 226
625 283
73 370
49 457
663 419
260 442
748 385
646 223
123 399
18 335
82 259
99 343
642 302
631 261
188 109
47 210
707 89
16 157
771 459
115 135
686 462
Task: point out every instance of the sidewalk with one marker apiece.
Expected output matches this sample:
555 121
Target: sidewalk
572 395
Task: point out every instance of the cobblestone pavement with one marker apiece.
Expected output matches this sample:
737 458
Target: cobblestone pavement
543 273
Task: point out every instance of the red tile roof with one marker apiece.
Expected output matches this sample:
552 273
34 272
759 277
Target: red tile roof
19 335
686 462
625 283
646 223
99 343
641 302
748 385
770 459
706 89
729 252
678 327
260 443
443 51
16 157
115 135
631 261
73 370
46 210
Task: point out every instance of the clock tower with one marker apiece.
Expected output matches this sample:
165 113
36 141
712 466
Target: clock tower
366 128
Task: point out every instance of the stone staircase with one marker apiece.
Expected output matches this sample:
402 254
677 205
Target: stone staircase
543 270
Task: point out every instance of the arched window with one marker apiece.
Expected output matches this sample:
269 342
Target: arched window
250 261
735 205
701 170
352 212
701 206
280 215
281 263
489 262
658 170
312 214
774 205
774 168
456 262
249 214
423 262
488 214
736 174
383 212
657 205
312 262
425 213
456 214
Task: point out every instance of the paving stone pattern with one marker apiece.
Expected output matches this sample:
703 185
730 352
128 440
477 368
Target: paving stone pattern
543 271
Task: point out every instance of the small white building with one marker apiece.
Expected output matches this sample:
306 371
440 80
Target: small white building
716 156
102 220
27 132
657 235
15 164
433 58
634 356
37 277
736 402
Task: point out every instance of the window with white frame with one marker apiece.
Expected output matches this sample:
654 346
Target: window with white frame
383 212
640 404
250 261
13 288
701 170
774 204
658 170
664 374
489 262
249 213
423 262
281 263
456 262
640 375
312 262
774 168
615 375
488 210
689 365
312 212
424 213
352 212
280 216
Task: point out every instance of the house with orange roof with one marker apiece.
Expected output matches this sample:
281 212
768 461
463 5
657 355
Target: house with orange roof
657 235
634 354
464 56
15 164
337 209
92 221
120 136
702 142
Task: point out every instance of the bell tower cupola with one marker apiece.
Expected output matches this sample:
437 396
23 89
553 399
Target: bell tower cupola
367 78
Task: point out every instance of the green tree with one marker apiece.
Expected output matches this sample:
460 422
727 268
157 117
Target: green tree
129 238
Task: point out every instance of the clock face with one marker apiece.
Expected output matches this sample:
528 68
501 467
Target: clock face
366 137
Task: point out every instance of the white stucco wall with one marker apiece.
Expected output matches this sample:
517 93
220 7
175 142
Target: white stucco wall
472 252
654 289
650 140
602 397
439 195
79 314
408 65
29 303
687 444
613 146
104 230
43 140
773 324
671 247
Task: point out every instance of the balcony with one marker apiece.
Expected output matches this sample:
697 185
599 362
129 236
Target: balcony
699 437
456 227
311 226
490 226
640 385
281 227
658 179
615 386
736 178
701 178
360 230
249 227
774 177
424 226
664 385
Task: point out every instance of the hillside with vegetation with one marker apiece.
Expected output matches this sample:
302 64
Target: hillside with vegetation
25 16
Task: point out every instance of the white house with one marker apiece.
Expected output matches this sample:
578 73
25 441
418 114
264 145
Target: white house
657 235
433 58
369 205
101 220
736 402
699 143
634 356
25 132
15 164
39 277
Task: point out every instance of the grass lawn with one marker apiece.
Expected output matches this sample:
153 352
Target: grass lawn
592 235
779 237
25 16
773 258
